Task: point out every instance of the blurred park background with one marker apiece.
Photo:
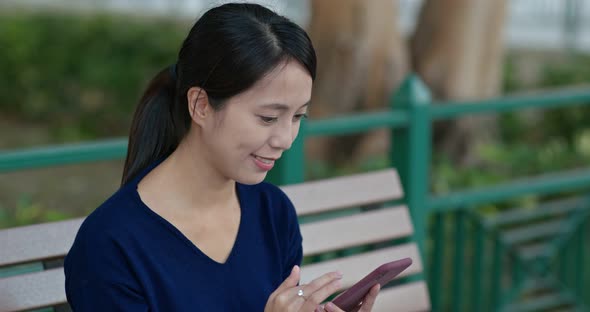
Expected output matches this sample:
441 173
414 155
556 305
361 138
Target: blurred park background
72 72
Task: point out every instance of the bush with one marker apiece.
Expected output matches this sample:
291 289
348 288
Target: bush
81 75
562 123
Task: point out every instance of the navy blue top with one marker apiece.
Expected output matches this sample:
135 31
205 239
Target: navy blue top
128 258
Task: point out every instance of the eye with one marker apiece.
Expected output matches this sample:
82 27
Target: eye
299 117
267 119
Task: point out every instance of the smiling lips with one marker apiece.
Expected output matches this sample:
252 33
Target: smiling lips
264 163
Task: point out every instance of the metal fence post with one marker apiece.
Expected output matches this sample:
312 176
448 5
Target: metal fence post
291 167
410 152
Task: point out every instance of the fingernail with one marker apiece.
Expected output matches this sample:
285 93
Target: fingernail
329 307
339 274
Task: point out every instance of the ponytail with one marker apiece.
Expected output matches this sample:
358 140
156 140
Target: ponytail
153 134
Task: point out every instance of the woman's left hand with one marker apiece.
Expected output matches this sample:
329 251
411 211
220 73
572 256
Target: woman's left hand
365 306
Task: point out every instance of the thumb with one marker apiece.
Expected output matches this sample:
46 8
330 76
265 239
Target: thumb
291 280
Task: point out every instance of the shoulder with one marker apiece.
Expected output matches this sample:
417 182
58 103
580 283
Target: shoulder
274 205
103 236
112 218
283 221
268 194
271 190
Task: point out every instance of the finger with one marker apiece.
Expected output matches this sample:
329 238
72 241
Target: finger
290 282
322 293
330 307
321 282
370 298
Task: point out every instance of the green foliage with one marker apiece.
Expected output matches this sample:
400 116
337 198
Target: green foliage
564 123
574 70
510 81
29 212
80 75
567 122
503 162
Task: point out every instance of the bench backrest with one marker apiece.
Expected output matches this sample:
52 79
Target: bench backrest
340 217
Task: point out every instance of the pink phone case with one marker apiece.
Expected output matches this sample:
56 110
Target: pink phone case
382 275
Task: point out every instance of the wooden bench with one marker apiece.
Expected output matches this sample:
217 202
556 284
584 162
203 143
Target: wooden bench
340 218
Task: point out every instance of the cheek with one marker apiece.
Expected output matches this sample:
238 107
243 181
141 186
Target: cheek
295 130
248 139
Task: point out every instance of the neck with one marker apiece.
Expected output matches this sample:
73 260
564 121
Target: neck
192 182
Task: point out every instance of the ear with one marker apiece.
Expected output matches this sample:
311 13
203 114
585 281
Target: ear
198 104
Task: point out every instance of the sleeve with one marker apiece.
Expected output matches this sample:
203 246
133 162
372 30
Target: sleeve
294 248
99 278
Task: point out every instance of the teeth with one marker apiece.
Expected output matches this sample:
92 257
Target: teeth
264 160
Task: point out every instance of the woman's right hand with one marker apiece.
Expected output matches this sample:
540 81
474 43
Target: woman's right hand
287 298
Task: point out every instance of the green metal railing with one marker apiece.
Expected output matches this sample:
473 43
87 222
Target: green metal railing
490 265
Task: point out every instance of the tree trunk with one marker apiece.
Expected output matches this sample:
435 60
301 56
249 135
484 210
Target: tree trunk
361 58
457 50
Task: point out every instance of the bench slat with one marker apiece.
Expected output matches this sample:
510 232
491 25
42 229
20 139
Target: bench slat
32 291
356 267
359 229
341 192
411 297
37 242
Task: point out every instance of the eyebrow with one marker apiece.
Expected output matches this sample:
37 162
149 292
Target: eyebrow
281 106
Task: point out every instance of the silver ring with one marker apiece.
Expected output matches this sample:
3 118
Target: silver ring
300 293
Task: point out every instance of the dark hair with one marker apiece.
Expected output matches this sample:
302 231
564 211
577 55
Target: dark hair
227 51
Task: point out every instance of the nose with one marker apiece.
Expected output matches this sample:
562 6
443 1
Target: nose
283 136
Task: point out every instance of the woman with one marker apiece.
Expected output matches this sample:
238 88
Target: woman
193 226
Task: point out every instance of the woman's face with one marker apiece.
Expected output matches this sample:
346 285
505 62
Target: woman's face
255 127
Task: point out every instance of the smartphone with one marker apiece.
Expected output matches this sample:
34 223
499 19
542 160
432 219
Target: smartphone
382 275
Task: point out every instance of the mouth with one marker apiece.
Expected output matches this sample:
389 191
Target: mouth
266 160
264 163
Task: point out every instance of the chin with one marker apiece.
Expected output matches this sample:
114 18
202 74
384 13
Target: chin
251 179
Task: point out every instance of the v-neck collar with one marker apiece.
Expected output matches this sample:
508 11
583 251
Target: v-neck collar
239 188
